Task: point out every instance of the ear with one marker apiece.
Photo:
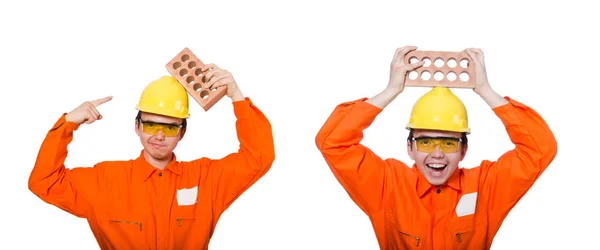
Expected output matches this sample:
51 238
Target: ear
182 133
464 151
137 128
409 150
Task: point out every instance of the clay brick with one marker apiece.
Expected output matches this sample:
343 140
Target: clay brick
453 72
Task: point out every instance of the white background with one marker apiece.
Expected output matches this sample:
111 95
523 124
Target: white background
296 60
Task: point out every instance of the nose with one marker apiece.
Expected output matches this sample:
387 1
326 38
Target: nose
437 153
159 135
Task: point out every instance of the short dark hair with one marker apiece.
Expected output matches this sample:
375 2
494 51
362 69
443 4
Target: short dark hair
138 117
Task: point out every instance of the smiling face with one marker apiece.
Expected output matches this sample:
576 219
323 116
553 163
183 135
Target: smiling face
159 146
436 153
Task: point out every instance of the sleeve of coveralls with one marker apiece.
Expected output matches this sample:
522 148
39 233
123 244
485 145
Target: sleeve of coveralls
236 172
70 190
359 170
513 174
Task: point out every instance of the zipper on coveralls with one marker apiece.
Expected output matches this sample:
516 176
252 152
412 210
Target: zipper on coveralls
129 222
417 239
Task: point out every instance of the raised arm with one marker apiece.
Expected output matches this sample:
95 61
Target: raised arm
236 172
513 174
70 190
507 179
359 170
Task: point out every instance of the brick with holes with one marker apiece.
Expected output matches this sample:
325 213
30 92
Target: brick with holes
441 68
186 68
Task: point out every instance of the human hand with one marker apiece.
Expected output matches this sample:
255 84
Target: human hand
87 112
398 69
217 77
481 82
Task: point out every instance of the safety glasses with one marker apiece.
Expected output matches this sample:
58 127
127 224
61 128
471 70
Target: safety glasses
152 128
446 144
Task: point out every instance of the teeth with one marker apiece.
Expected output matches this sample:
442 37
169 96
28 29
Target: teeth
436 165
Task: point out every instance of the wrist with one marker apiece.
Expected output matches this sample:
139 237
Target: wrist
237 96
393 91
486 92
492 98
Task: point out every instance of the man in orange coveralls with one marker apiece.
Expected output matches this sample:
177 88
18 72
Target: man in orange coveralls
434 204
155 201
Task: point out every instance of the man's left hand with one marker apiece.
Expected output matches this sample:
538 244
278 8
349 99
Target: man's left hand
218 78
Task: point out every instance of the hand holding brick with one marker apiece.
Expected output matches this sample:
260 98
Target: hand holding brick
187 69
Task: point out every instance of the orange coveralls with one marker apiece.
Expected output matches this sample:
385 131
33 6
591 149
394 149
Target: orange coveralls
407 212
132 205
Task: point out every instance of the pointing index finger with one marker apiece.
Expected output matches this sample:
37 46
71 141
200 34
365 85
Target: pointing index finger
97 102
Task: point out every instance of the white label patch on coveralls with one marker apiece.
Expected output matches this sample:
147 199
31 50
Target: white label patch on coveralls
187 196
466 204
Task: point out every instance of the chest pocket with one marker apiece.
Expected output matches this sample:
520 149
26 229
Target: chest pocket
124 231
463 223
121 220
184 218
405 237
184 211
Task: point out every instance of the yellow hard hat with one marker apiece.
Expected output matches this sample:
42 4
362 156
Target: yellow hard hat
165 96
439 109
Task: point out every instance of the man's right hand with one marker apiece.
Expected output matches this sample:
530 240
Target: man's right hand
398 72
87 112
398 69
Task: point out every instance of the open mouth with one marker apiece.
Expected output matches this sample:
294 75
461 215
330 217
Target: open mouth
437 169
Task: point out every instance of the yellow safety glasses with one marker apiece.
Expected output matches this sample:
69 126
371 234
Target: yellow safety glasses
168 130
446 144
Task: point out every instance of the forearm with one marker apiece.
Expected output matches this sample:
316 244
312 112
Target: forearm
492 98
384 98
255 135
535 144
237 96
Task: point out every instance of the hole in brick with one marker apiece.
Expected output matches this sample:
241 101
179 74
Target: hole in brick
197 87
427 62
413 75
204 94
183 72
413 60
185 58
191 65
198 72
425 75
464 76
176 65
451 62
451 76
189 79
439 62
438 76
464 63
